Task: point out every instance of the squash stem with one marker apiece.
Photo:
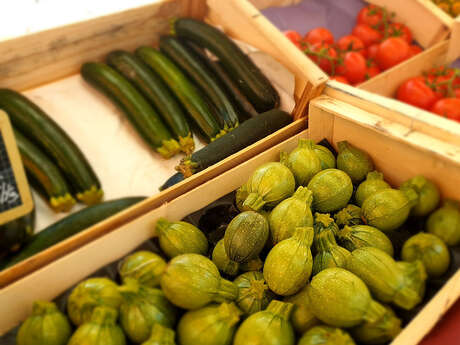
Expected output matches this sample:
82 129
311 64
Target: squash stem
104 315
187 167
304 234
253 202
168 148
162 225
230 313
374 312
306 144
43 307
91 196
304 194
162 334
187 144
281 309
227 291
62 203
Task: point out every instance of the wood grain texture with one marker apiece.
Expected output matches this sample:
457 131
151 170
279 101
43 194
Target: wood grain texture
453 52
45 56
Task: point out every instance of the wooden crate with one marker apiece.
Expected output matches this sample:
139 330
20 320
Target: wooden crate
56 55
397 151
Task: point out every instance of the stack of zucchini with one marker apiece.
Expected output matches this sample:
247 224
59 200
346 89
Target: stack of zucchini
165 92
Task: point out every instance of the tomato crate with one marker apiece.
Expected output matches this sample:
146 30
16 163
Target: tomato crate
397 150
45 67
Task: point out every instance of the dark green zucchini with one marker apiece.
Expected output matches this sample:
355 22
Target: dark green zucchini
28 118
141 114
252 82
199 73
16 232
46 174
171 181
244 135
245 108
157 92
187 93
68 227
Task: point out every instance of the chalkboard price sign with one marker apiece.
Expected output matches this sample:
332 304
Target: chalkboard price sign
15 197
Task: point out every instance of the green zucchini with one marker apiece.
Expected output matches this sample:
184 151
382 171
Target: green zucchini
246 109
16 232
252 82
28 118
156 92
138 111
68 227
244 135
46 174
187 93
198 72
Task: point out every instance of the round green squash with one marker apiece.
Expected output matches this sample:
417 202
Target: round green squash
178 238
252 265
302 161
428 195
445 223
414 276
332 189
46 326
89 294
323 222
326 335
245 236
325 156
380 332
357 236
253 292
384 277
373 183
302 318
241 195
350 215
329 254
268 185
289 214
341 299
355 162
101 329
222 261
289 263
388 209
269 327
212 325
141 308
160 335
431 250
147 267
191 281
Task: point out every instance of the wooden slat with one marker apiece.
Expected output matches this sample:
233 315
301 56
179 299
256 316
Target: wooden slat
261 4
454 46
438 12
45 56
426 27
242 20
194 8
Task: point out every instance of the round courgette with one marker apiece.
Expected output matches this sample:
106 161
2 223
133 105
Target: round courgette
141 114
68 227
33 122
255 86
199 73
156 92
188 94
46 174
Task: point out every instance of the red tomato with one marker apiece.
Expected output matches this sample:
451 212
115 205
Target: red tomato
371 69
341 79
457 93
400 30
324 56
350 43
391 52
414 50
352 67
371 15
372 51
319 35
416 92
294 37
448 107
367 34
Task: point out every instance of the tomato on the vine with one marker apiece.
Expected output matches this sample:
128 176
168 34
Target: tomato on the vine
341 79
371 69
414 50
294 37
319 35
367 34
371 15
457 93
372 51
352 67
323 55
351 43
448 107
415 91
400 30
391 52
